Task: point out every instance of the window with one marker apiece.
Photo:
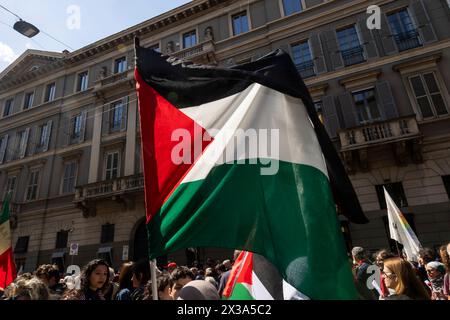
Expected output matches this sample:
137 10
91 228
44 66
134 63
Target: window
303 60
292 6
50 92
22 245
117 114
428 95
82 84
28 102
403 30
446 180
112 165
107 233
7 109
21 147
61 239
319 109
76 128
43 135
32 188
70 177
10 185
120 65
396 192
240 23
189 39
366 106
155 48
350 46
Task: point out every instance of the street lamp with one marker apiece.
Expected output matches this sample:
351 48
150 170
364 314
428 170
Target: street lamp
25 28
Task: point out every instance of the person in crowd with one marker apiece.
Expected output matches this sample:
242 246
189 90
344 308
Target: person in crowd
200 275
171 266
425 255
400 276
50 276
224 278
24 288
445 258
140 276
163 285
125 282
198 290
94 282
361 264
178 279
113 287
380 256
436 273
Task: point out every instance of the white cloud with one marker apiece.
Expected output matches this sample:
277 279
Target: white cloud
7 53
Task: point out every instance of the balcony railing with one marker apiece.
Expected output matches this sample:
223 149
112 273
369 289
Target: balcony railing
376 133
114 80
109 188
407 40
195 51
353 55
306 69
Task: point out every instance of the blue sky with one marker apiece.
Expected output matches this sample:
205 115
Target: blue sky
98 19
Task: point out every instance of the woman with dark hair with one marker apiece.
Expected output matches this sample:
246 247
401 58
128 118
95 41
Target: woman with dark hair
141 275
399 275
125 283
94 282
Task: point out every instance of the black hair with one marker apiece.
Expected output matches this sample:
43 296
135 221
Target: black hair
141 271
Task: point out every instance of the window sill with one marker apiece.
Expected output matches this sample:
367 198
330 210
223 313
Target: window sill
434 119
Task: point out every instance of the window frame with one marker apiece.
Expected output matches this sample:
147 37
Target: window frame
413 23
78 83
48 96
299 43
443 93
191 31
10 107
360 43
73 126
388 185
366 105
105 171
64 178
106 237
27 93
283 9
116 65
24 248
7 185
240 15
35 185
113 108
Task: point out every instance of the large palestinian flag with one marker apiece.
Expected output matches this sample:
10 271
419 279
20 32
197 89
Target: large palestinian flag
233 158
7 265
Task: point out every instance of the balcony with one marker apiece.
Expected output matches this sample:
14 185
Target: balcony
113 82
203 53
120 190
306 69
402 133
353 55
407 40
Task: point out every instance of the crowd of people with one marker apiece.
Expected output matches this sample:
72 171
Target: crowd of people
399 279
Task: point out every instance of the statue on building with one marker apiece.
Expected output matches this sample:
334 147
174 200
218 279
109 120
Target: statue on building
209 34
170 48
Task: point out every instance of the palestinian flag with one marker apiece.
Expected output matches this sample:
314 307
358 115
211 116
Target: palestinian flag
237 158
7 265
254 278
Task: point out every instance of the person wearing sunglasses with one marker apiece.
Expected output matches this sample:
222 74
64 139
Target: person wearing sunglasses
399 275
436 272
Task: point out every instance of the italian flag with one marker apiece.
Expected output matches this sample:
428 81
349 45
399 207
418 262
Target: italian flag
7 265
232 159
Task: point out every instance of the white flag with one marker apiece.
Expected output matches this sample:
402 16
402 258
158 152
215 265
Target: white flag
400 229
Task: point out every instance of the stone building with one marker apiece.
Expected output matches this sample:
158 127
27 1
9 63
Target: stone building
70 136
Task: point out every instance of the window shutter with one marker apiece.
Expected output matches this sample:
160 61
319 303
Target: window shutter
3 145
368 41
123 122
106 119
11 149
348 110
24 143
330 116
387 39
47 136
329 41
34 140
83 125
386 100
424 25
319 59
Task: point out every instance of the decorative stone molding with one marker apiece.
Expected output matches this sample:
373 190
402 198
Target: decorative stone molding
318 91
418 64
360 80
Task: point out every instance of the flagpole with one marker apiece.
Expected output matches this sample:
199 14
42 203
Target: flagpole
153 275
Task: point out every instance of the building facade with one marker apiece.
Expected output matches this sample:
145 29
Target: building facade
70 136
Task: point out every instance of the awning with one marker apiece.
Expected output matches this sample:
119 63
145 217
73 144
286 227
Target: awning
58 254
104 250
